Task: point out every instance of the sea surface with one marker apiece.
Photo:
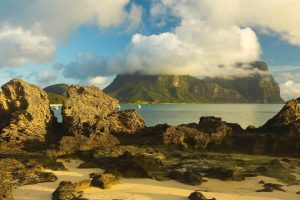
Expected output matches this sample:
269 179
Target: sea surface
175 114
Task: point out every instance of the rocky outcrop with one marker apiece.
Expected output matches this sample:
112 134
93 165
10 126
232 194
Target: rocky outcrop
127 121
84 107
90 120
67 191
88 110
210 133
104 181
286 121
24 112
184 136
198 196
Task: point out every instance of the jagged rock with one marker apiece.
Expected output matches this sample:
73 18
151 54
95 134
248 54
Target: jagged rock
77 142
188 177
131 164
284 121
66 191
185 136
84 107
225 174
127 121
104 181
87 110
198 196
5 192
270 187
23 174
25 112
221 133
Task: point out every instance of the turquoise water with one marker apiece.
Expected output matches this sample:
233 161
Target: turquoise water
175 114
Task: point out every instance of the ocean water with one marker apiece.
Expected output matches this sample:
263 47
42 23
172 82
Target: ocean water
175 114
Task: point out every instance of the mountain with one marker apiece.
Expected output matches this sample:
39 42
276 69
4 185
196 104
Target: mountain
259 88
57 93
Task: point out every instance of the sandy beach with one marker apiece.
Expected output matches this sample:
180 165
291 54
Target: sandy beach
147 189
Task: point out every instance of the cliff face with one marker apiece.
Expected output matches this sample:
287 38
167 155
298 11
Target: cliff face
260 88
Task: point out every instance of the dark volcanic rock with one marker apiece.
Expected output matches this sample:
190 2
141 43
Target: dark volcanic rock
13 171
25 112
270 187
225 174
84 107
221 133
72 144
188 177
104 181
285 121
185 137
198 196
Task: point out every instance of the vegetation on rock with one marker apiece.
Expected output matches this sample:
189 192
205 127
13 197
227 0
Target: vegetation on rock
258 88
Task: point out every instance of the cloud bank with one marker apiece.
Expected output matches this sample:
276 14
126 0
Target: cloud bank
210 33
18 46
30 29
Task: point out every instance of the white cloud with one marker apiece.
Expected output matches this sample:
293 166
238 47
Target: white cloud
30 29
97 80
18 46
290 89
59 18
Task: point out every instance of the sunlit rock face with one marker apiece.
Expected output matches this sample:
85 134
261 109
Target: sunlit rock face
24 112
285 121
84 107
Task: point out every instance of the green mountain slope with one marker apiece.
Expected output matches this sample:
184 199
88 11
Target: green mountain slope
260 88
57 93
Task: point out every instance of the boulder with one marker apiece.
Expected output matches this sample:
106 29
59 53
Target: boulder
84 107
184 136
198 196
287 120
67 191
87 110
127 121
24 112
190 177
104 181
221 133
270 187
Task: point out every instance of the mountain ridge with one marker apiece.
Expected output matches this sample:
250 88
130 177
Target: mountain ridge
259 88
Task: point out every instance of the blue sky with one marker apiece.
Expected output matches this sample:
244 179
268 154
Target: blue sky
89 42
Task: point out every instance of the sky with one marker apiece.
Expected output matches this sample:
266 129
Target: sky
88 42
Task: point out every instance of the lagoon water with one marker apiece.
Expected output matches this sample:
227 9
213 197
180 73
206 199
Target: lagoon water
175 114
